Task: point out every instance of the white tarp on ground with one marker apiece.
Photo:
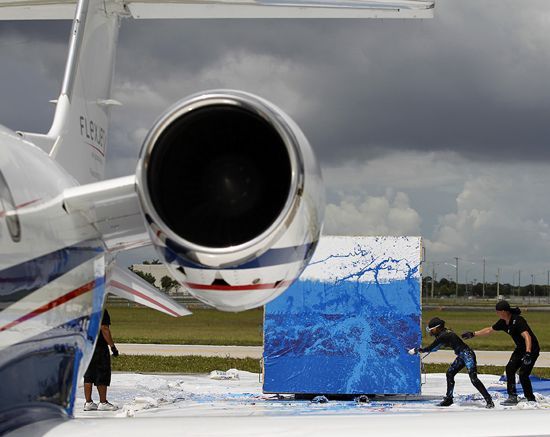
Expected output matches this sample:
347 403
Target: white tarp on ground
196 405
169 405
140 395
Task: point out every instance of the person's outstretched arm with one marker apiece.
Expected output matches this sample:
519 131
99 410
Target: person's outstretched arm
436 344
485 331
471 334
431 348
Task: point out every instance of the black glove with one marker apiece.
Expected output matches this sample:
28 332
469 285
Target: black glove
467 335
527 358
114 350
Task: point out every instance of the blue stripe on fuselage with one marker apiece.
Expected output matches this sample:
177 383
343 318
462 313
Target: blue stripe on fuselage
22 279
97 307
272 257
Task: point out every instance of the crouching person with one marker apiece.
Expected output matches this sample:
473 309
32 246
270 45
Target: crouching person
465 357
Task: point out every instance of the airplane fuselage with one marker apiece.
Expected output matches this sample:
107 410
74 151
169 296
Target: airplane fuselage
52 279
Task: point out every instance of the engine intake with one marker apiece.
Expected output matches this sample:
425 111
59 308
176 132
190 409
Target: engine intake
232 197
219 175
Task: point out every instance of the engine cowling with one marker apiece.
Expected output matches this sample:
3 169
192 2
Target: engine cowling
232 196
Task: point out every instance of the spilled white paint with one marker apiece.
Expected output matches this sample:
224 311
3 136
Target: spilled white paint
195 405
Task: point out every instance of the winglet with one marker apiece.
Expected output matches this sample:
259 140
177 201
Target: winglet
128 285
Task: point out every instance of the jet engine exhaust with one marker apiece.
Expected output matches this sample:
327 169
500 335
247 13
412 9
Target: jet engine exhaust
232 197
219 176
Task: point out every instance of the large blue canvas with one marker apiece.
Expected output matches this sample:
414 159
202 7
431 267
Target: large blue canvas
345 326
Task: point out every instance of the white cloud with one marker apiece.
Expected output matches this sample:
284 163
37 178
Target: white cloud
473 210
270 77
442 171
502 214
136 95
390 214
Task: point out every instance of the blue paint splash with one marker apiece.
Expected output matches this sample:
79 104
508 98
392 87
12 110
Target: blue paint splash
346 336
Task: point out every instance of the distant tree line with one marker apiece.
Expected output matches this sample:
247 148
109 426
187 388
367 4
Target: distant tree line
447 288
166 282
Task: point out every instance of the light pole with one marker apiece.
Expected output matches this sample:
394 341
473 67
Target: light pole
433 279
445 275
533 286
474 265
456 288
466 283
483 290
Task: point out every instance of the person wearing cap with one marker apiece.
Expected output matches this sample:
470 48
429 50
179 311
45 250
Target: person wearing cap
465 357
525 354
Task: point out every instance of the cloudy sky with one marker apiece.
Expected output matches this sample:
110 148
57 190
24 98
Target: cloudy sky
438 128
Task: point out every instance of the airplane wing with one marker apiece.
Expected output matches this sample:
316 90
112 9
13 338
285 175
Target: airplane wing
202 9
111 207
128 285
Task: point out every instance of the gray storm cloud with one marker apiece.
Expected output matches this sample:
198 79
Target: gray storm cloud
423 127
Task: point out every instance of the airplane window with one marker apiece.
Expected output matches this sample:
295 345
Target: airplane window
8 210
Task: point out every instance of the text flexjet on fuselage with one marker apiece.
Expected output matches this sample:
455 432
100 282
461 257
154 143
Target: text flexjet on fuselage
93 132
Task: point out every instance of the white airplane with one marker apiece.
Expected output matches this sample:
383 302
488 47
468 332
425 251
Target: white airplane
226 189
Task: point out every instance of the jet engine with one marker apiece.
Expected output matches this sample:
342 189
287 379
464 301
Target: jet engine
232 196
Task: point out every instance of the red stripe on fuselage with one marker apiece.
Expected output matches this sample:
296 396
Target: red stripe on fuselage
30 202
143 296
101 152
54 303
214 287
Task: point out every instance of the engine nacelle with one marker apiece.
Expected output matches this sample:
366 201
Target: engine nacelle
233 197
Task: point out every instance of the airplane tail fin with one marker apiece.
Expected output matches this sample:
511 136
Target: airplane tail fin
78 135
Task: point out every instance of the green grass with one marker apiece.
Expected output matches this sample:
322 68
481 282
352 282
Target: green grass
488 303
211 327
543 372
460 321
187 364
144 325
199 364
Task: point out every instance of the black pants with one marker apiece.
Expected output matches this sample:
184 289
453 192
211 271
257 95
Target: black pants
512 367
99 369
465 358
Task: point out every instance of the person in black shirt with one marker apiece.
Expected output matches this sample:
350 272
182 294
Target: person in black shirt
99 369
525 354
465 357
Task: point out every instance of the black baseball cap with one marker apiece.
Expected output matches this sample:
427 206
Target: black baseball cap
502 305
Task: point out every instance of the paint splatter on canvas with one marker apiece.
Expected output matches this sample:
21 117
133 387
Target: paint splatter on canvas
345 326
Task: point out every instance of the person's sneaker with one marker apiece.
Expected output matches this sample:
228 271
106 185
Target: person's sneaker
446 402
107 406
490 404
512 400
90 406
